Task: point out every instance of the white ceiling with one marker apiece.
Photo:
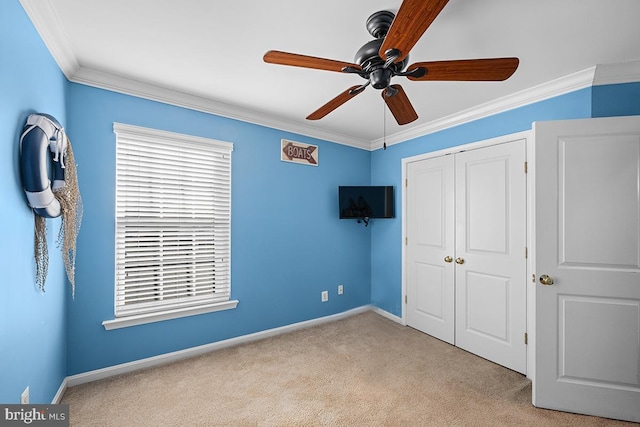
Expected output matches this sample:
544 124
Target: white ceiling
207 54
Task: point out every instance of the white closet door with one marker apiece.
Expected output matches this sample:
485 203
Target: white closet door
588 257
490 253
430 220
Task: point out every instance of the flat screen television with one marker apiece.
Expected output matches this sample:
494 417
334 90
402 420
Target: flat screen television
364 202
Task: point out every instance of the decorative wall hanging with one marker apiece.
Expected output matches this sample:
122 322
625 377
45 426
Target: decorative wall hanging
297 152
45 156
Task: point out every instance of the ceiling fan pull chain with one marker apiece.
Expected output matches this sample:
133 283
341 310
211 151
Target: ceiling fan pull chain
384 127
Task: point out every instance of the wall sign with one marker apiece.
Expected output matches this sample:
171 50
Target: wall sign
297 152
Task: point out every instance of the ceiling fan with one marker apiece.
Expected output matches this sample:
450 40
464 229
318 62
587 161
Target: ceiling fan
385 57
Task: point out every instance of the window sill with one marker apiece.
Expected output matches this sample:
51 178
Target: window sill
141 319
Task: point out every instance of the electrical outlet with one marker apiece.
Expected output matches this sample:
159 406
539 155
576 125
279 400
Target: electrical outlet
24 397
340 289
325 296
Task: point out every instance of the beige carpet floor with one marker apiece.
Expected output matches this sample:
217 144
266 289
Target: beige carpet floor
365 370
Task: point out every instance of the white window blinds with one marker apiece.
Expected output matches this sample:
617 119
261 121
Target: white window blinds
173 221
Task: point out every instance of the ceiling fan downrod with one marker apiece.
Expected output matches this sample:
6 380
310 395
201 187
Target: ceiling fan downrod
378 23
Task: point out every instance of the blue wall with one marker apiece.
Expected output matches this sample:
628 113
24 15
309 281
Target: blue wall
616 100
287 241
32 324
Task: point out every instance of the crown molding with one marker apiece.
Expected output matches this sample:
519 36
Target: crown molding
610 74
570 83
601 74
47 23
50 29
128 86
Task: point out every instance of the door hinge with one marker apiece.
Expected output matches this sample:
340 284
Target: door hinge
406 241
526 252
405 299
406 182
526 167
526 339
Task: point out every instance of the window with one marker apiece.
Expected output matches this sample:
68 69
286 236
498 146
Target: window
173 225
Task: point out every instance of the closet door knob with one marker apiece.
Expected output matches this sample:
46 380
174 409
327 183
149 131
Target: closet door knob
448 259
460 261
546 280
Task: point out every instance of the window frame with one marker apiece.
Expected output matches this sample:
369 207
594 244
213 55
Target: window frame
128 136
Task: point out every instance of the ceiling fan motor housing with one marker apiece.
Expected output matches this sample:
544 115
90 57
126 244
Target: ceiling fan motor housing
368 55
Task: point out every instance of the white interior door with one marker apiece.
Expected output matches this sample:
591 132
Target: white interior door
491 264
430 238
587 231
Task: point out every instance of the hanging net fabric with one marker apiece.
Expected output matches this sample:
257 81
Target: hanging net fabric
41 251
71 211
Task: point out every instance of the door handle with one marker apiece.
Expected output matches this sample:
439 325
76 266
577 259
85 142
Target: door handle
460 261
448 259
546 280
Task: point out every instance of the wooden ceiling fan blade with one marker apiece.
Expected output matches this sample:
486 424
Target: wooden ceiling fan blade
335 102
489 69
400 105
297 60
411 21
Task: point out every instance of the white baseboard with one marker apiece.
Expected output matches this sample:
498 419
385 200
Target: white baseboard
388 315
162 359
58 397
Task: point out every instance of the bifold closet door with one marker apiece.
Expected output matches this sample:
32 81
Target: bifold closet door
490 193
430 239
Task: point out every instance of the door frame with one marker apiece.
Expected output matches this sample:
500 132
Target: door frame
530 209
